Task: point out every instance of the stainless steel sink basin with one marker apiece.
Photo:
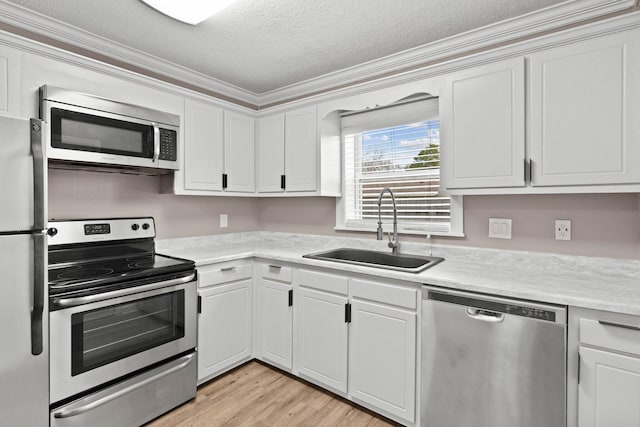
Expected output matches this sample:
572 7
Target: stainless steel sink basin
399 262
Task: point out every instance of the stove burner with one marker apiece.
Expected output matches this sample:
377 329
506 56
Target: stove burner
141 262
88 273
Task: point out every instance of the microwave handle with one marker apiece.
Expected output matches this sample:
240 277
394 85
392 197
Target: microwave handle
156 142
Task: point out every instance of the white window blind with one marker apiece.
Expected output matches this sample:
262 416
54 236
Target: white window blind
396 147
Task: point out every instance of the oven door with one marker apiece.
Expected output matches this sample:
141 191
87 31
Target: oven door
98 342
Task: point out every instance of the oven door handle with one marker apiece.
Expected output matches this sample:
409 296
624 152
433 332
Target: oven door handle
67 413
72 302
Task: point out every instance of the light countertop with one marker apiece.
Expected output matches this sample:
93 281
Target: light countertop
589 282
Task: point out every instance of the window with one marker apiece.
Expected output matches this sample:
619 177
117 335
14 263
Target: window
396 147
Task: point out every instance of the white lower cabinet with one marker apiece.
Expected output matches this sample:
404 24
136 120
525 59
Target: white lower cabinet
276 322
609 393
358 337
224 323
353 336
382 357
608 389
322 338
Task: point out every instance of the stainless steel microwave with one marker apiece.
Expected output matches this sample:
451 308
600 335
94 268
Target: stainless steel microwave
87 131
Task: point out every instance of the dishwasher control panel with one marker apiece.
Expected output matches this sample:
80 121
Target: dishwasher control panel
496 306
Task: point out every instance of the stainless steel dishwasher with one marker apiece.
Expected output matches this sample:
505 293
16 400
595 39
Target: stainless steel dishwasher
492 362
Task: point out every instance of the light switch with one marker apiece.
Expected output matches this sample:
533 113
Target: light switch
224 220
500 228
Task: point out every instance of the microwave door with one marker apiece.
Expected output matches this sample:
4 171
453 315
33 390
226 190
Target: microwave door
92 133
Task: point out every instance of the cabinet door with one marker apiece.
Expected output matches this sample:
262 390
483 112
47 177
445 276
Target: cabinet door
270 153
482 127
301 147
224 327
322 338
276 323
203 146
239 157
382 358
584 109
609 389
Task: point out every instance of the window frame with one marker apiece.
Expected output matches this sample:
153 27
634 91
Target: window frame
394 116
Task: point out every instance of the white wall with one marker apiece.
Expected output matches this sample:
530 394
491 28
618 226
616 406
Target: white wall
79 194
604 225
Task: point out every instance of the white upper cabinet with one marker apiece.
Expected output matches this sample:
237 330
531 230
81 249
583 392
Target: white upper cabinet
301 146
270 153
239 158
584 105
218 151
203 146
482 125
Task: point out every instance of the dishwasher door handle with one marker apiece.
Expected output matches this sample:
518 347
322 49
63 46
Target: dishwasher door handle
485 315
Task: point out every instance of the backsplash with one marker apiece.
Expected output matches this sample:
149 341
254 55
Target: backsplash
79 194
605 225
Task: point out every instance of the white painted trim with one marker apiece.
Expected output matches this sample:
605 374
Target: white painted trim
422 76
569 12
40 24
566 13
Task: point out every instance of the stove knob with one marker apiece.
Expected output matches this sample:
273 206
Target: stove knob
145 226
52 232
135 227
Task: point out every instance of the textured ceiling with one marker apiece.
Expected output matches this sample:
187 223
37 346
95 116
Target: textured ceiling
263 45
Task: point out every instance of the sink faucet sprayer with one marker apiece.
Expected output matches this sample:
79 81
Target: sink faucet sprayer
393 243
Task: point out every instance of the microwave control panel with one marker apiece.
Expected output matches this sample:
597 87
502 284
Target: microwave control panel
168 144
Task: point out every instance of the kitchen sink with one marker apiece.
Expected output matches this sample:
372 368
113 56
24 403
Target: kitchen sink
398 262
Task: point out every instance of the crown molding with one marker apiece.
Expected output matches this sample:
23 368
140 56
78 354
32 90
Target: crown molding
544 20
49 31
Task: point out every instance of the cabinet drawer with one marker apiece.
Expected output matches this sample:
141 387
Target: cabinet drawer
384 293
622 336
223 273
324 281
276 271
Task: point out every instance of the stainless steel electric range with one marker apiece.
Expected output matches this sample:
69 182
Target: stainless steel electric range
122 324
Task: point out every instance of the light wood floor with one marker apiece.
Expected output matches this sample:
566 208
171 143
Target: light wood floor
257 395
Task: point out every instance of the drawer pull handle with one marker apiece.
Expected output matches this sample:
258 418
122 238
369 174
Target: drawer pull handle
619 325
227 269
277 267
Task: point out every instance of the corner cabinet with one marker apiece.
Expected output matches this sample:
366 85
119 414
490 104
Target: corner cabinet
482 126
287 152
275 315
584 103
218 151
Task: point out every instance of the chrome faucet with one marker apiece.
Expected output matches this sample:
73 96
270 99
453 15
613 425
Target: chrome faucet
393 243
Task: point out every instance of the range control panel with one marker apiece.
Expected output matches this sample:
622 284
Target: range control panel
92 230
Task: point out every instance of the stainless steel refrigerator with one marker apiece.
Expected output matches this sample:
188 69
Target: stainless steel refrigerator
24 350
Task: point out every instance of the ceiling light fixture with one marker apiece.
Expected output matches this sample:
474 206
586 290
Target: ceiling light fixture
189 11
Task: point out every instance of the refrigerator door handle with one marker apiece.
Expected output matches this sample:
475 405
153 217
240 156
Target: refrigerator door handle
39 247
39 177
39 236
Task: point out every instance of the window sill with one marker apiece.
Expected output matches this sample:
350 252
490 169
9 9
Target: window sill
401 231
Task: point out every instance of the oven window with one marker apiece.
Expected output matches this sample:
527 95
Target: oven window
85 132
104 335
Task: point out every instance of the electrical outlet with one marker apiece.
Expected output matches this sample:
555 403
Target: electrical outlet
224 220
563 229
500 228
